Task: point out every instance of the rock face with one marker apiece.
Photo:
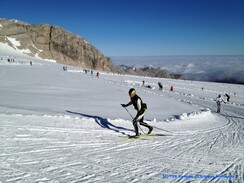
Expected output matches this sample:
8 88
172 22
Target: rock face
53 42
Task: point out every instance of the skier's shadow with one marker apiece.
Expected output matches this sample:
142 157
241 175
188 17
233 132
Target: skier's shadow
103 122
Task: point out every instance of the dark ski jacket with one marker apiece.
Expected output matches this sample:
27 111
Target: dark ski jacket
138 105
228 97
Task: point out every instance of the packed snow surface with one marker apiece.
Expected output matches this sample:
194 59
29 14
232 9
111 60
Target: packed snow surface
68 126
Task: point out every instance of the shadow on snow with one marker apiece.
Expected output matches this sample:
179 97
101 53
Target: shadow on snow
103 122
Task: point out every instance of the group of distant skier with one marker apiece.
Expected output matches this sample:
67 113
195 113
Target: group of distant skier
160 86
84 70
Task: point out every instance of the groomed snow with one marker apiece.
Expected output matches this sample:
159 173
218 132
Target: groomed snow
68 126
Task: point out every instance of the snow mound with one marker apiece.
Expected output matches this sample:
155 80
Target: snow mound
196 114
203 113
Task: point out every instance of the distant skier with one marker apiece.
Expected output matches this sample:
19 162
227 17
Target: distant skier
64 68
219 100
160 86
171 88
228 97
143 83
141 109
97 75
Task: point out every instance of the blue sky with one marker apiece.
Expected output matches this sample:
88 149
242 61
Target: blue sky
142 27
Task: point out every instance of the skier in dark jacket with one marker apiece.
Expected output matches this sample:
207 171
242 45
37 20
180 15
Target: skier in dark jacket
228 97
141 109
160 86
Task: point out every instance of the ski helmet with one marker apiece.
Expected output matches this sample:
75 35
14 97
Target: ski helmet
132 91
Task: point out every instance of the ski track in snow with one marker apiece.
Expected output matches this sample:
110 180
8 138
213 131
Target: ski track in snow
71 148
38 148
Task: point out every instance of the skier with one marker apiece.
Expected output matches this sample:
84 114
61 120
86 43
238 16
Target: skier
141 109
219 100
160 86
64 68
228 97
143 82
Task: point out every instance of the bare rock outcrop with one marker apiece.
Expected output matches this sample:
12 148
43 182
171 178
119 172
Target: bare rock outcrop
53 42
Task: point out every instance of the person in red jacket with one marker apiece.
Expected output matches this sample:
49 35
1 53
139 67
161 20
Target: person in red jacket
141 109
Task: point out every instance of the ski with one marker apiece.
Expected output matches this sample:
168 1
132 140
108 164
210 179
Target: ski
157 134
132 137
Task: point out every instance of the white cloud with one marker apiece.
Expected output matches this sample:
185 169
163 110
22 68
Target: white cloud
199 67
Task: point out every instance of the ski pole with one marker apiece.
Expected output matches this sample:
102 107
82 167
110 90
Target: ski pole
133 118
162 129
129 113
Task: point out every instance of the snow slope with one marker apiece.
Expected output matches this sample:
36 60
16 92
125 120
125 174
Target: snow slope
68 126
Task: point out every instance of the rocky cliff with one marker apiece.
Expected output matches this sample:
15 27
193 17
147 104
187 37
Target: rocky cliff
53 42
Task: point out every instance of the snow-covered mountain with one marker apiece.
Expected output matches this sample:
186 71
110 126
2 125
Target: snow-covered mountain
69 126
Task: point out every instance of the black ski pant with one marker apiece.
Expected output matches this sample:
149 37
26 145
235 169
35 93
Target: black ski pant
135 124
